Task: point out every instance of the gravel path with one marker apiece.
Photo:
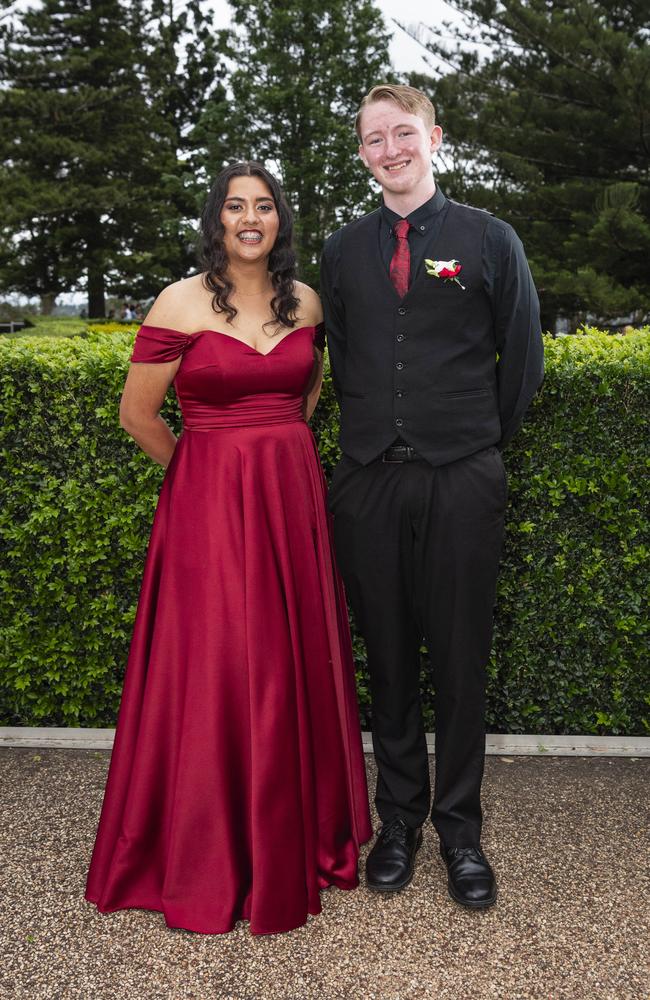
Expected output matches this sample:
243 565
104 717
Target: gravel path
568 838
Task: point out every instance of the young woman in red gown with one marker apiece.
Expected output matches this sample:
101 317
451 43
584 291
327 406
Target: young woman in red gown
237 786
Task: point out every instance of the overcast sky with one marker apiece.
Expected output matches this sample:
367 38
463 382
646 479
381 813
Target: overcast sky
406 54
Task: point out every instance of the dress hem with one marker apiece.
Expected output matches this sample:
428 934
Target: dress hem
153 908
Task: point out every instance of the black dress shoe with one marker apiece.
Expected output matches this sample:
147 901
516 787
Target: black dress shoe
471 881
389 866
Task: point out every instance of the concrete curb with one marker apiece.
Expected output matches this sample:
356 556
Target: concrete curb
496 744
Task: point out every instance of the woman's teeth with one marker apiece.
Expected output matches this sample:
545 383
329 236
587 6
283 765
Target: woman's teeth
250 236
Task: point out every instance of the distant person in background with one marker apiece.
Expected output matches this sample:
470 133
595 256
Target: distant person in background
237 785
436 352
129 314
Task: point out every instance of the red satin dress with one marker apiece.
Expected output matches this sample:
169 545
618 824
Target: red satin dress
237 787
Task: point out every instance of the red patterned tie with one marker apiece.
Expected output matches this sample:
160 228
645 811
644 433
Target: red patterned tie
400 265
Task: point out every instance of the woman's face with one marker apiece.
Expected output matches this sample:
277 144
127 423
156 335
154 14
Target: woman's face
250 220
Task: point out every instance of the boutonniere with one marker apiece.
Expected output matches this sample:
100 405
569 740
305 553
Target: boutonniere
448 270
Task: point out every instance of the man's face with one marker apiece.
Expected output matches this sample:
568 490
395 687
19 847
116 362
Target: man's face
397 146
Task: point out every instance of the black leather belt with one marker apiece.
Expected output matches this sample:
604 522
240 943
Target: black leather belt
400 453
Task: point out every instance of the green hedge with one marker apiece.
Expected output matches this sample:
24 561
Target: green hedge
77 499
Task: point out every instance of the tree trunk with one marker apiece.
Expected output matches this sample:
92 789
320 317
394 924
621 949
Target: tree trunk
548 316
96 288
48 301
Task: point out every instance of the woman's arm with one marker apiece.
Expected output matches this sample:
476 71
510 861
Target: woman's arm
144 393
147 384
313 389
311 313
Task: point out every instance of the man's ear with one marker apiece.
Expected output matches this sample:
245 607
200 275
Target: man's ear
363 157
436 138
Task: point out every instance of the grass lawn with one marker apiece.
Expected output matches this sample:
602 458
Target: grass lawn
68 326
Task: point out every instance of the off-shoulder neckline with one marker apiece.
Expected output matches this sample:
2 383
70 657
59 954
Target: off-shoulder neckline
227 336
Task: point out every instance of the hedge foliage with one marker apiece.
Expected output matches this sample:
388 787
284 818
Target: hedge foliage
77 500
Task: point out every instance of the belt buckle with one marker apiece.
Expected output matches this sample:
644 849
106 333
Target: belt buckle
405 449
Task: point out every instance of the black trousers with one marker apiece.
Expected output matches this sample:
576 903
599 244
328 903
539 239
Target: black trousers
418 547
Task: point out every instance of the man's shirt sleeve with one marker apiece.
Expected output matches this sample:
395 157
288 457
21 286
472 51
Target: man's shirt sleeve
334 310
515 306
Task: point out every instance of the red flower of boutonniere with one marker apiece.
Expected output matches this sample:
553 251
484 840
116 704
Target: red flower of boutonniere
448 270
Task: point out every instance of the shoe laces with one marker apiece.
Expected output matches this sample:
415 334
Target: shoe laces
394 829
465 852
469 861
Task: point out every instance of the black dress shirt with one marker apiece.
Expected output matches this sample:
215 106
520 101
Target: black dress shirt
508 285
426 222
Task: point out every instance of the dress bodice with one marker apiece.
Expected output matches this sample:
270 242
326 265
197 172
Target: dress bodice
224 382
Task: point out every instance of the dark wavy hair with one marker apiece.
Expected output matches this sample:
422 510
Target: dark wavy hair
282 259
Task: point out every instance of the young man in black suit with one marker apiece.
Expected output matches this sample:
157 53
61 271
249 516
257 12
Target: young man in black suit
435 348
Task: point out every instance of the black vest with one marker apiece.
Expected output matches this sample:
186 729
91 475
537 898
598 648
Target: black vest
422 368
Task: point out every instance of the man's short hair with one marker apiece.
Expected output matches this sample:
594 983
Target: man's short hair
407 98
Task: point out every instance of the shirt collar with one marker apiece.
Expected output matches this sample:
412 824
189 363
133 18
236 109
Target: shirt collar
420 219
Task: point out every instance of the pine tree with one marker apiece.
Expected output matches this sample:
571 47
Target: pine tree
547 110
300 70
181 69
97 190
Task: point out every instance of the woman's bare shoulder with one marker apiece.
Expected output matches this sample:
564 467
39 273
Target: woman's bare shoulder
310 309
174 305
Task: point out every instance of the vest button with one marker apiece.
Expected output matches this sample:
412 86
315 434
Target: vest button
400 337
402 310
399 366
399 393
399 422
